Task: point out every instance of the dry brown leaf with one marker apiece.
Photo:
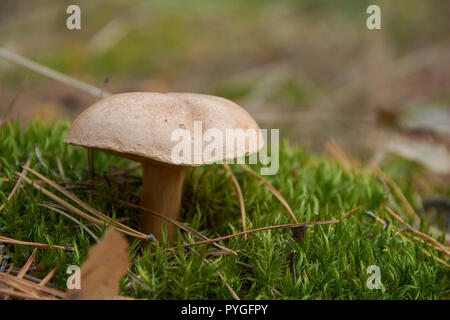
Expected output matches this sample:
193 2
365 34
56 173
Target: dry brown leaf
105 266
432 155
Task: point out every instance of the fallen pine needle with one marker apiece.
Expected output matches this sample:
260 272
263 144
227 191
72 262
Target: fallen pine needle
398 192
408 237
16 186
345 215
82 204
50 207
281 226
418 233
272 189
25 268
240 198
34 244
179 224
77 211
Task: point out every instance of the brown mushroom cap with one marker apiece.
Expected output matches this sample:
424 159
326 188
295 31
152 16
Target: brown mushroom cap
139 125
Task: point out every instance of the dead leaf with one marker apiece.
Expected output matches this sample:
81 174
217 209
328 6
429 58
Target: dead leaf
105 266
434 156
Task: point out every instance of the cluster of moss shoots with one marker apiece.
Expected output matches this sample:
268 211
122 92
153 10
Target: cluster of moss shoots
326 262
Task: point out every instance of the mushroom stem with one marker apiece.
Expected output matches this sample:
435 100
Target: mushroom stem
161 192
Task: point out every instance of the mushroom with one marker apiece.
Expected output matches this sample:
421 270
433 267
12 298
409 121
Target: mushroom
141 126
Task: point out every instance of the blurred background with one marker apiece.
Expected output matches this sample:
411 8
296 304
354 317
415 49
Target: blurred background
308 67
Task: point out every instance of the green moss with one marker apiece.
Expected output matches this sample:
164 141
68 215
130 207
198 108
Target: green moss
330 263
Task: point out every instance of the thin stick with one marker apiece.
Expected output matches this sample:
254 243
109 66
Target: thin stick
179 224
272 189
16 186
409 238
240 197
418 233
4 239
25 268
27 265
73 219
23 295
55 75
345 215
398 192
47 278
76 210
11 280
85 206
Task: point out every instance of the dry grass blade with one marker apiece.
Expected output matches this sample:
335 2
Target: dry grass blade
179 224
29 286
336 152
240 197
47 278
222 278
75 210
418 233
281 226
60 169
272 189
82 204
398 192
4 239
409 237
333 149
48 206
25 268
345 215
27 265
21 295
55 75
16 186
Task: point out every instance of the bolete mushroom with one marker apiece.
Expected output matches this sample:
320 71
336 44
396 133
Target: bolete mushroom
144 127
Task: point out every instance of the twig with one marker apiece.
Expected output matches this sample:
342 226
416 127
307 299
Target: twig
23 284
281 226
179 224
272 189
55 75
345 215
4 239
48 206
408 237
418 233
25 268
47 278
86 206
398 192
139 281
77 211
23 295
